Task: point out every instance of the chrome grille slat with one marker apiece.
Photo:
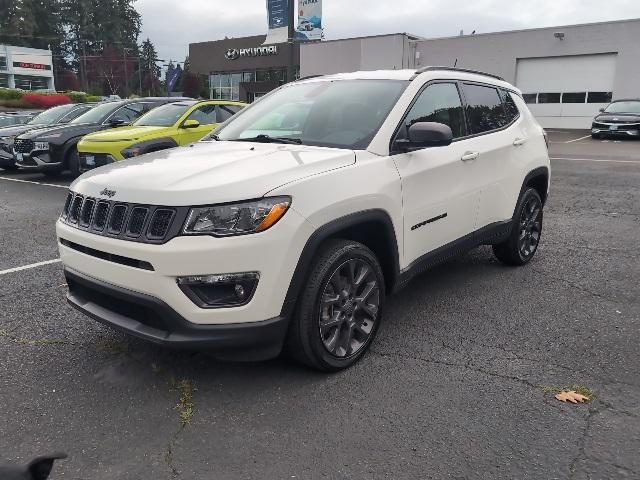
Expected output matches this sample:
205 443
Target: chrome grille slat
74 212
87 212
136 221
101 215
126 221
117 218
160 223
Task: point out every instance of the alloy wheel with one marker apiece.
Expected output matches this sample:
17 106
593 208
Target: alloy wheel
530 227
349 308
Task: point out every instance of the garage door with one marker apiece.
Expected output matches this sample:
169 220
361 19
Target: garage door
566 92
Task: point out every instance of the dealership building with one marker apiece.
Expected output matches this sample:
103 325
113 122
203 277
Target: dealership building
26 68
243 68
566 73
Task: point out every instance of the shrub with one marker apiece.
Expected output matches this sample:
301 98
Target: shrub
10 94
37 100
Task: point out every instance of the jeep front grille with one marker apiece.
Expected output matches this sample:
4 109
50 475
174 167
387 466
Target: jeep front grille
126 221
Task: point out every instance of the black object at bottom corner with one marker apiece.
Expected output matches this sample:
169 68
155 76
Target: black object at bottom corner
151 319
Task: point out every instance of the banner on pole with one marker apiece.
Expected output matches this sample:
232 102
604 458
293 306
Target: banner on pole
309 20
278 18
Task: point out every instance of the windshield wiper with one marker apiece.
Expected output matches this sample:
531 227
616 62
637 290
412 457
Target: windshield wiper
267 139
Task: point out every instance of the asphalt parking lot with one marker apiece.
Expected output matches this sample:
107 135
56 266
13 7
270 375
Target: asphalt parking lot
458 384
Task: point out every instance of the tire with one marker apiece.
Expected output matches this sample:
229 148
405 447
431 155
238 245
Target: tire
73 162
339 309
526 231
10 168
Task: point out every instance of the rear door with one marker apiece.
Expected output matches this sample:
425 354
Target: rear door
496 136
440 192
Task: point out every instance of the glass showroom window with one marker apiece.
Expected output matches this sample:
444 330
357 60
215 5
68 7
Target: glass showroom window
574 97
4 81
599 97
26 82
530 97
548 98
3 63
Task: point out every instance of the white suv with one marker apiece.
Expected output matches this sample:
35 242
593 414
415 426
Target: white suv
291 224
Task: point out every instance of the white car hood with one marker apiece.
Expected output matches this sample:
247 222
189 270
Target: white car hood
209 172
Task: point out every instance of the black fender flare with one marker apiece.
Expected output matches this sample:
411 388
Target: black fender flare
156 144
332 229
536 172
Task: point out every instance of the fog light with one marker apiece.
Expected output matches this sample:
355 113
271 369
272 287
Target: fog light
221 290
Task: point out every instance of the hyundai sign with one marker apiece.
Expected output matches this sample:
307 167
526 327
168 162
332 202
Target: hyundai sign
235 53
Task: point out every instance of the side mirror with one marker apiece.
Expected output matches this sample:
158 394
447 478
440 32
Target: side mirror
601 110
191 124
425 135
117 122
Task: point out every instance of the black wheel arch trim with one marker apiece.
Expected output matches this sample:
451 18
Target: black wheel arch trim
332 230
536 172
155 144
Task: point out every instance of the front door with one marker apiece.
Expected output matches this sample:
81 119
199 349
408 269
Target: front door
206 116
439 191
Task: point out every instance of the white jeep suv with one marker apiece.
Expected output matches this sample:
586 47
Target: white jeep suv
290 225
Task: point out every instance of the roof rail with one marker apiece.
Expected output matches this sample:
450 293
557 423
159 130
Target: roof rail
455 69
309 77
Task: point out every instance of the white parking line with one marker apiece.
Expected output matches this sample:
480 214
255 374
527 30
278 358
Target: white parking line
27 267
31 181
598 160
578 139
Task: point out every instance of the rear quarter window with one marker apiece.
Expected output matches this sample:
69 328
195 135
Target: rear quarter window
484 108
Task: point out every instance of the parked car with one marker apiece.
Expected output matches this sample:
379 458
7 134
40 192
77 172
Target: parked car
52 150
619 118
164 127
53 116
8 119
305 26
293 232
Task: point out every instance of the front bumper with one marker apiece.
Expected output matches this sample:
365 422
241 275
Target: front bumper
621 130
6 158
151 319
38 161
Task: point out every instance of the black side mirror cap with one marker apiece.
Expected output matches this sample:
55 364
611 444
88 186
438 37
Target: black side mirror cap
601 110
425 135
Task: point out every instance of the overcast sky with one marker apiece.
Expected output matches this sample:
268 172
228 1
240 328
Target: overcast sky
173 24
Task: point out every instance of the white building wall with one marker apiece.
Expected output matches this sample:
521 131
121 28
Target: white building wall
25 55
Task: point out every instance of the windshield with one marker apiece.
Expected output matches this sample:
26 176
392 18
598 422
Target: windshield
339 113
96 114
52 115
624 107
164 116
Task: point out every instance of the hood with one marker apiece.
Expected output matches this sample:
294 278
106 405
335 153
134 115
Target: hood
210 172
126 134
618 117
59 134
14 130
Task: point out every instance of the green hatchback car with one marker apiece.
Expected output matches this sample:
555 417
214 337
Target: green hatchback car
167 126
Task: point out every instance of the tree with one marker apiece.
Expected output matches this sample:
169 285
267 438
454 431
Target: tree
150 69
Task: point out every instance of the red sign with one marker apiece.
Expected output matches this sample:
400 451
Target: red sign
32 66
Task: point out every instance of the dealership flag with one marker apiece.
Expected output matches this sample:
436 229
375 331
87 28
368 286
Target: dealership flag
278 16
309 20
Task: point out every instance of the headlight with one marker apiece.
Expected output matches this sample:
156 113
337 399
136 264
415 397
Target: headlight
41 146
7 139
131 152
236 218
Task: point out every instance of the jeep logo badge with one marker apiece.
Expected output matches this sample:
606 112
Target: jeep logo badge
108 193
232 54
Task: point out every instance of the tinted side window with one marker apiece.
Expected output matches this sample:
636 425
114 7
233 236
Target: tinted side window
205 114
75 113
225 112
510 107
128 113
440 103
484 108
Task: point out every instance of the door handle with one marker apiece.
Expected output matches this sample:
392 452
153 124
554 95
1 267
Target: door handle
519 141
469 156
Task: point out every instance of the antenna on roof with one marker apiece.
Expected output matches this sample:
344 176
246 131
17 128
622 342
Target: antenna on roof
455 64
